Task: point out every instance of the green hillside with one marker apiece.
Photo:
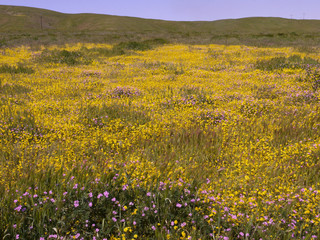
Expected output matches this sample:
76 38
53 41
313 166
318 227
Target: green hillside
26 19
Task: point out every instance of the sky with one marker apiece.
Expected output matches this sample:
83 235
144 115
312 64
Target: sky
182 10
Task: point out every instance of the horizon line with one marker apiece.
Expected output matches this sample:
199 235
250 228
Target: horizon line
159 19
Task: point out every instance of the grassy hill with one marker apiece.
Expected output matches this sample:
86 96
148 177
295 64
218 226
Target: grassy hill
14 18
25 25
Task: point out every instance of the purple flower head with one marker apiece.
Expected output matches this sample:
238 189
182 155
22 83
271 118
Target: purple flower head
106 194
18 208
76 203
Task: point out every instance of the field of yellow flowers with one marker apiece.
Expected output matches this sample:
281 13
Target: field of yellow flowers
148 140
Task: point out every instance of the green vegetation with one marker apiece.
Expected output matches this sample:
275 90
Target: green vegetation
64 57
292 62
19 68
32 26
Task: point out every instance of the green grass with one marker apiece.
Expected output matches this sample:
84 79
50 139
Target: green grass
22 25
20 68
292 62
65 57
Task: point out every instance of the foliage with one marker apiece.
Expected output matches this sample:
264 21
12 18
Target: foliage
138 46
292 62
19 68
64 57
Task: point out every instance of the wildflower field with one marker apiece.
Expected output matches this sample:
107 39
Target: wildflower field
151 140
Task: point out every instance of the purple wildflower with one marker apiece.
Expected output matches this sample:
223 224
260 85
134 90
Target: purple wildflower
76 203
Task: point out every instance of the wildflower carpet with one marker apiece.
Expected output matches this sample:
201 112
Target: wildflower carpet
159 141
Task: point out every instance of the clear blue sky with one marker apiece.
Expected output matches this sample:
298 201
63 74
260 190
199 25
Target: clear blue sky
187 10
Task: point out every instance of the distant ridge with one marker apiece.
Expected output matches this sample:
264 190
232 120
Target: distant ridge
26 19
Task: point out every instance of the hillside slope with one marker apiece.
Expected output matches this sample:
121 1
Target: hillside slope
26 19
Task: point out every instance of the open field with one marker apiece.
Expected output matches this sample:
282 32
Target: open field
150 140
126 128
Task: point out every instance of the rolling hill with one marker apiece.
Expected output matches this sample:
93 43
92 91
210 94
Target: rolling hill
26 19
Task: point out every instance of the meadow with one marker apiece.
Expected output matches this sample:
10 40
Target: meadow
154 140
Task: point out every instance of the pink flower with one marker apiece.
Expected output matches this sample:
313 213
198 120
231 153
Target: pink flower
90 204
178 205
76 203
18 208
106 194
